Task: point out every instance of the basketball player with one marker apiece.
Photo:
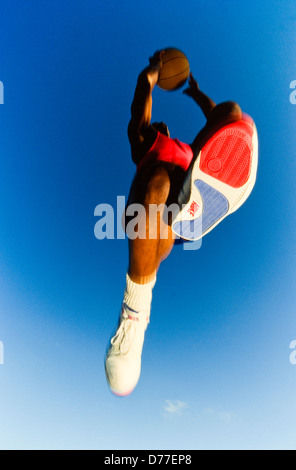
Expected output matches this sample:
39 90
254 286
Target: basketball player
162 165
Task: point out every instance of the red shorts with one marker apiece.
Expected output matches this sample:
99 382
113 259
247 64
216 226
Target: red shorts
168 150
173 151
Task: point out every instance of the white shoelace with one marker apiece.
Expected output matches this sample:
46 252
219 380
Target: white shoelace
123 339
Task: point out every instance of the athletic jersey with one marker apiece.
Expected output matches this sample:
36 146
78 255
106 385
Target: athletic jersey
168 150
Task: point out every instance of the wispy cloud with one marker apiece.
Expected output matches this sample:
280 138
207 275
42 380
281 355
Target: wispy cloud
175 407
221 415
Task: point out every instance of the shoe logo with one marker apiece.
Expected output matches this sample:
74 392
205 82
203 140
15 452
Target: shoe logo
193 208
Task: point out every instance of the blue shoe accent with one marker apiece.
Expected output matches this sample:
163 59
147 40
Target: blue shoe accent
189 229
215 206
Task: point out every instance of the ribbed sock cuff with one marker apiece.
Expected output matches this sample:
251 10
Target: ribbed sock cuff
138 296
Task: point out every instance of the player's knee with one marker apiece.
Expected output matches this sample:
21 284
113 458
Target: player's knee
232 110
229 110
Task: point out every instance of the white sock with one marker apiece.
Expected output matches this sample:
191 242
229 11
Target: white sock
138 296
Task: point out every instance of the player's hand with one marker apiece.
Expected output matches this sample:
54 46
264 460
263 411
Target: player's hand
193 87
156 59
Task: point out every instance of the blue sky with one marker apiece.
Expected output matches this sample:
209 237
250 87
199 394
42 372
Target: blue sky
216 369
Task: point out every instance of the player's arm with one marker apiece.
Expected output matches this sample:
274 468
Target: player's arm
217 115
141 109
205 103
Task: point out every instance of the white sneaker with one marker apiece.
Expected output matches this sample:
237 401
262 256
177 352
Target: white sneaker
123 358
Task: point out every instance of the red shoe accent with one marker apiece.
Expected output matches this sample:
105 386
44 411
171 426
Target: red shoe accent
227 155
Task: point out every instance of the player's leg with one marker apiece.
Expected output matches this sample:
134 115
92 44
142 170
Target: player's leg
151 187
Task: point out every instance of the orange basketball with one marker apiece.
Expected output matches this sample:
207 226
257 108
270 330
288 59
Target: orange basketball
175 69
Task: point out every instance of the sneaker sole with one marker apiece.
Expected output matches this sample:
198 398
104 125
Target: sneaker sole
219 181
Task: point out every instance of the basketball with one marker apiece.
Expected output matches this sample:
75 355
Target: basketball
175 69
